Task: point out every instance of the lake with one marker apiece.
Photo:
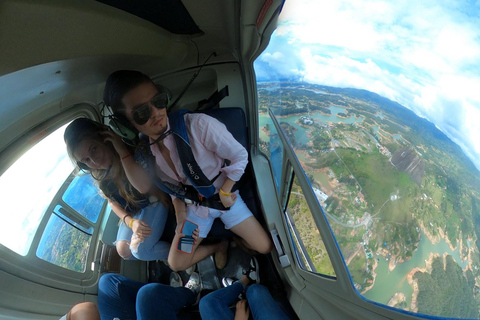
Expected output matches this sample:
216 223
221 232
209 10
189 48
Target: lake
388 283
301 132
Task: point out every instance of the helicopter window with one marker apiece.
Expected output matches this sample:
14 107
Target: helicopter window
51 211
30 184
67 237
307 240
90 203
399 173
64 244
270 144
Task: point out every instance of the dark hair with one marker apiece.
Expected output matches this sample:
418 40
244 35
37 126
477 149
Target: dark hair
78 129
119 83
83 128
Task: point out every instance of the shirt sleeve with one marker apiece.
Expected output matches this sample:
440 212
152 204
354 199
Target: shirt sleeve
216 138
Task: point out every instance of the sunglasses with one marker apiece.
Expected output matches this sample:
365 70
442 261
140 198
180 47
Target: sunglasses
143 112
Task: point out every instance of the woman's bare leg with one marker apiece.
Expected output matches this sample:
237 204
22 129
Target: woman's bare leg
253 234
180 261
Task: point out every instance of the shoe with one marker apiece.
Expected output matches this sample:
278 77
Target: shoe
191 269
253 271
195 285
175 280
227 282
221 257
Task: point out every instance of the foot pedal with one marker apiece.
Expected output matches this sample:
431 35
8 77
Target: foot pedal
208 274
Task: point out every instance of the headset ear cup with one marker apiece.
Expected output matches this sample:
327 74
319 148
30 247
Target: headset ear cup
121 126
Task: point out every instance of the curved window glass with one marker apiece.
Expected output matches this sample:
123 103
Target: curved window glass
395 168
83 196
30 184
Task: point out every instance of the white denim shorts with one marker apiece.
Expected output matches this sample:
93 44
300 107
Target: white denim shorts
237 213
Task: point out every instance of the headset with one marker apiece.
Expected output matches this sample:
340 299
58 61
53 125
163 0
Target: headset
123 127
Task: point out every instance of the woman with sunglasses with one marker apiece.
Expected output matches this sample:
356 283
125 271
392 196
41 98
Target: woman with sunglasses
133 96
100 152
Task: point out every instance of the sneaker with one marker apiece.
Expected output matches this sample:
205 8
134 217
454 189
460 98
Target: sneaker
253 271
191 269
195 285
175 280
227 282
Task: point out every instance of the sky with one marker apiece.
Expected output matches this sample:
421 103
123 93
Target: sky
30 184
424 55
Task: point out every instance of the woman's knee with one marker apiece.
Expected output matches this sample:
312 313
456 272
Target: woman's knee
177 264
264 246
123 249
84 311
142 253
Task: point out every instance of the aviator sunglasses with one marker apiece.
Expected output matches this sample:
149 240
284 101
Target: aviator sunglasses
142 113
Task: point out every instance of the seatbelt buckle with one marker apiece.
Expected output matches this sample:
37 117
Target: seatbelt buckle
188 201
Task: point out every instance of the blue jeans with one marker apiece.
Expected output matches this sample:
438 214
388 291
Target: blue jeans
215 305
126 299
155 215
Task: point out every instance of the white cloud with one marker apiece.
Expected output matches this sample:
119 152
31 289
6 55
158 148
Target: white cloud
422 54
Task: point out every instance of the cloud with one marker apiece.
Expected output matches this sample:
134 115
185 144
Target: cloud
423 54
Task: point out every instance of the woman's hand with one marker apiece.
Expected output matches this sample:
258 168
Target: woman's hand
117 142
141 229
228 201
178 231
195 234
243 311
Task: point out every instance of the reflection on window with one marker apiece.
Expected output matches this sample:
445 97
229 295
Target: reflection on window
310 249
271 145
28 187
402 199
83 196
64 244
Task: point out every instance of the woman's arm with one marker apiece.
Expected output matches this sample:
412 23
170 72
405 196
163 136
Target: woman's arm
138 176
180 212
226 197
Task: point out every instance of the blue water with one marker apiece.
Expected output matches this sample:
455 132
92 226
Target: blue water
388 283
301 132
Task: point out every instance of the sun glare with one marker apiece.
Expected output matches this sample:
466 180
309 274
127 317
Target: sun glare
30 184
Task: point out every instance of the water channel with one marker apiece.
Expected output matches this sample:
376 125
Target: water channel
388 283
